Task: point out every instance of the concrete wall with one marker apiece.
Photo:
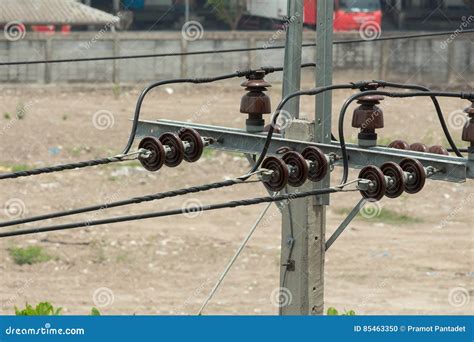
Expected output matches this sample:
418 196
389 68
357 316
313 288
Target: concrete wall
429 61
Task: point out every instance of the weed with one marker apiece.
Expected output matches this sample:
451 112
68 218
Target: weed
116 90
45 309
333 312
7 116
29 255
42 309
385 216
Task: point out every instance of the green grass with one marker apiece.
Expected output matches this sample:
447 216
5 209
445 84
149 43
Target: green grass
42 309
29 255
385 216
45 309
15 167
116 90
208 153
333 312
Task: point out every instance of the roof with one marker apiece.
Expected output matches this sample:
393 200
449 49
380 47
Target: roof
49 12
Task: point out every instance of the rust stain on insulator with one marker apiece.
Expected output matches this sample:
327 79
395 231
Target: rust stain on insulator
368 117
255 102
468 130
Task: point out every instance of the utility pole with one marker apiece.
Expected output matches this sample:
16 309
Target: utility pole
304 220
186 11
322 128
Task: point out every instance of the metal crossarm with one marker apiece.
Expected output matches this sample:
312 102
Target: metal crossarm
452 169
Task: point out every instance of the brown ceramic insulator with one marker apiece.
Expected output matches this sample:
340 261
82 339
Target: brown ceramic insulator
378 184
468 130
417 175
157 156
176 154
438 149
367 116
300 170
394 171
320 165
196 145
279 177
419 147
255 101
399 145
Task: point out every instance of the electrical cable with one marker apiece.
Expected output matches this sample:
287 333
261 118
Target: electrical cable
115 159
437 106
225 205
344 156
310 92
125 153
194 81
217 51
134 200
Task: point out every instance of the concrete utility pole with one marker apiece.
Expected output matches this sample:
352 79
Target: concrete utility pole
304 220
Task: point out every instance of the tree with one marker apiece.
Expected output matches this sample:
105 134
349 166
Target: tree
229 11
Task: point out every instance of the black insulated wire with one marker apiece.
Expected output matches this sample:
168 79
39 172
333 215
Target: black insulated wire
225 205
437 106
310 92
114 159
217 51
134 200
63 167
153 85
342 141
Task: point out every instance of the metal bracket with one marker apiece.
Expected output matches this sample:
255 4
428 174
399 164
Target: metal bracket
345 223
453 169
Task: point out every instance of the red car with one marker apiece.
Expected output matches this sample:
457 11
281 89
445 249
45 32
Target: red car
349 15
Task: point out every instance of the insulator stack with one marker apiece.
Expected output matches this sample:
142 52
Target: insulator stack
368 117
468 130
171 149
255 102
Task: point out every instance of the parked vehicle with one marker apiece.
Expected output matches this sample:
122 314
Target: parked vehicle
349 15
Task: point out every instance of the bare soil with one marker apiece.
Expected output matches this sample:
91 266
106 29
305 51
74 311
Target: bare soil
403 265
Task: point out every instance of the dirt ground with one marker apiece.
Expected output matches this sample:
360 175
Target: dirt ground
415 257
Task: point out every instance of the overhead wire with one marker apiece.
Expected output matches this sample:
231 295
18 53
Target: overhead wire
344 156
217 51
173 212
